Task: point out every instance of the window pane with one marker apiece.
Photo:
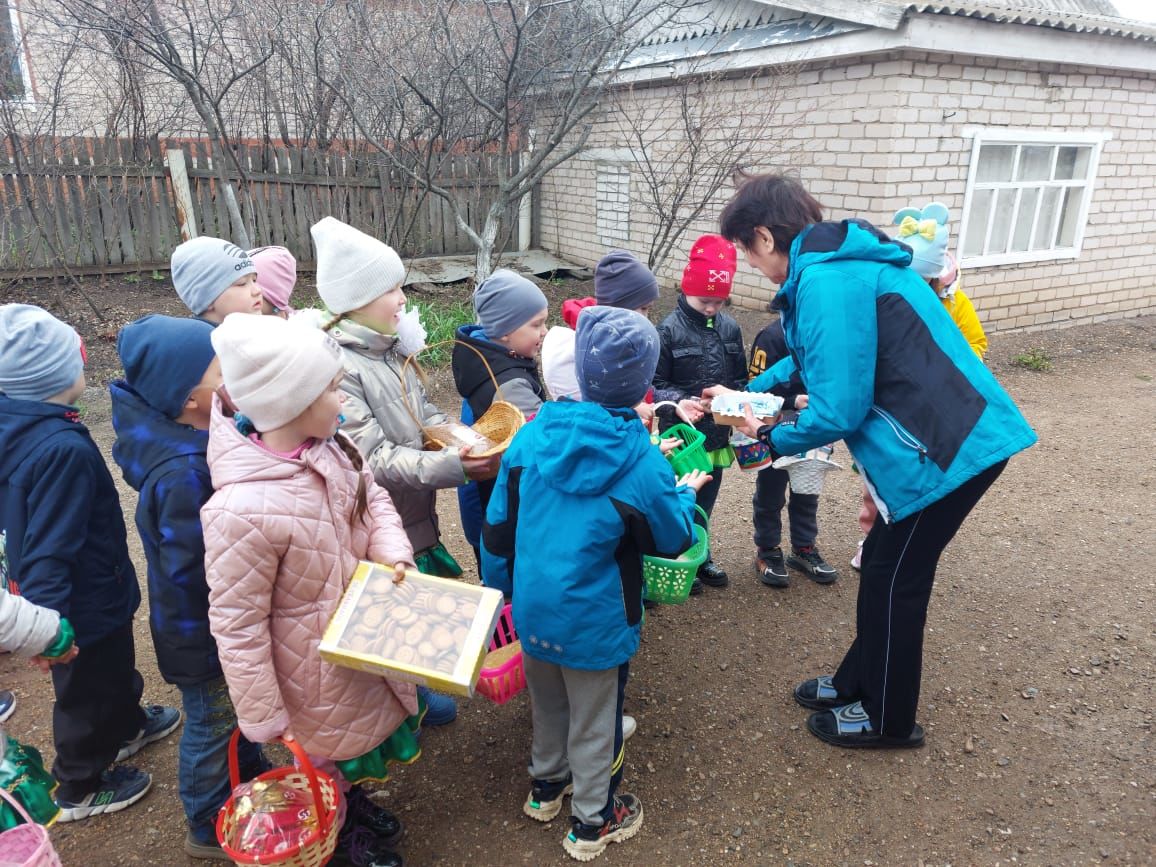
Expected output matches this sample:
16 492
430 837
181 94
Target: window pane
1035 163
1027 212
977 222
995 163
1072 163
1001 224
1073 197
1045 227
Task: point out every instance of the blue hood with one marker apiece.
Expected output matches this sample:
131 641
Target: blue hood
146 438
820 243
590 445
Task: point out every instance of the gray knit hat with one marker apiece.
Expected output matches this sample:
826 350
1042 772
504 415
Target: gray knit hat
620 280
615 355
506 301
203 268
353 268
40 356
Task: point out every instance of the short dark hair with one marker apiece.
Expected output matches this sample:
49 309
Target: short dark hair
778 203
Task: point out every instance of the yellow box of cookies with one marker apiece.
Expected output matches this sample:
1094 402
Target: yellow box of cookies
426 630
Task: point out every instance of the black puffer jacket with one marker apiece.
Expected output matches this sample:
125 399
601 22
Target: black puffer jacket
696 355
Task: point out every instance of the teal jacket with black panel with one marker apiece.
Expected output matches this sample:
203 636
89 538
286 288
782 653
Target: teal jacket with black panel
887 371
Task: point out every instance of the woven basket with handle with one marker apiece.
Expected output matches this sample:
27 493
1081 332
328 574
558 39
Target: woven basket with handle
498 424
26 845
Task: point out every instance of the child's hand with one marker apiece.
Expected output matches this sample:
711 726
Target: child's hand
691 409
668 444
645 412
715 391
479 467
44 663
399 572
801 401
695 479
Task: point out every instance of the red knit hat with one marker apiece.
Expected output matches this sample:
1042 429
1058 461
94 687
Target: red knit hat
712 266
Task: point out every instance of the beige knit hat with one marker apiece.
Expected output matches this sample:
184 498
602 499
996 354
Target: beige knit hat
352 267
274 368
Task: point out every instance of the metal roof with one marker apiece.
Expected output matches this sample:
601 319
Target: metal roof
1044 15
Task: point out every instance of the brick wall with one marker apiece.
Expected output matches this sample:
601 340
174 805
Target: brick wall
870 137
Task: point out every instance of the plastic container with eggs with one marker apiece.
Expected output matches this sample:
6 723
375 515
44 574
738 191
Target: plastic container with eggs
426 630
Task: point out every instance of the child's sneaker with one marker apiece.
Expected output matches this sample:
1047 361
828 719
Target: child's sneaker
440 710
545 799
629 727
772 568
810 561
857 560
212 851
586 842
7 705
119 787
159 722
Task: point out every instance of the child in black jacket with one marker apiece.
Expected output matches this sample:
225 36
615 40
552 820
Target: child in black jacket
67 550
702 347
771 488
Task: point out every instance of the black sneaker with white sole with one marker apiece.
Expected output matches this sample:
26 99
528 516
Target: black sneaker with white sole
119 787
587 842
811 563
160 722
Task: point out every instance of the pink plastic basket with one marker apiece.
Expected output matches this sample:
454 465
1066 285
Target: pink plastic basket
502 683
26 845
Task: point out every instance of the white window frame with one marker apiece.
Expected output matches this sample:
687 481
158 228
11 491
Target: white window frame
9 7
1001 136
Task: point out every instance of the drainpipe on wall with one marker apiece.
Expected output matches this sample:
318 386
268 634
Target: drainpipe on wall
526 205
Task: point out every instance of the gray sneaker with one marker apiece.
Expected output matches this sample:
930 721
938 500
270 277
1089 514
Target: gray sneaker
772 568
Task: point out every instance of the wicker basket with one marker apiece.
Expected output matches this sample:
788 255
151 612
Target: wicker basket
316 849
498 424
26 845
807 471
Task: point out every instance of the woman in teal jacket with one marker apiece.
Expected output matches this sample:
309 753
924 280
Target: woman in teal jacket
929 426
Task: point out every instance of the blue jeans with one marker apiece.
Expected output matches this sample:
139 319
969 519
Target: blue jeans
203 758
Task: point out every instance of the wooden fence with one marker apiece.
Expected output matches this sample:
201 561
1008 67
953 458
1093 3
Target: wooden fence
102 205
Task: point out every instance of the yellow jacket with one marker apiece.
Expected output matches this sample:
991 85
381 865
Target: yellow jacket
965 318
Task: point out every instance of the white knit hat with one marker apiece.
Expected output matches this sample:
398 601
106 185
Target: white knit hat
274 368
352 267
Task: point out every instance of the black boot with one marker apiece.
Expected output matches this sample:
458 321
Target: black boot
712 575
358 846
384 825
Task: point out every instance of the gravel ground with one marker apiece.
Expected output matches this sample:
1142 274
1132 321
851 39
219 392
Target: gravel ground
1038 681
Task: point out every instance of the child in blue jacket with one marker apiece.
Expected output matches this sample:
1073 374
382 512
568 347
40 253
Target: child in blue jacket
577 594
67 550
160 412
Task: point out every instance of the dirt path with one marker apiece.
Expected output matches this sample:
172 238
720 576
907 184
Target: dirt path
1038 688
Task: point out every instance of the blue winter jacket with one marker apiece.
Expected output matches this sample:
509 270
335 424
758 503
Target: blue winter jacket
580 497
165 463
887 371
60 514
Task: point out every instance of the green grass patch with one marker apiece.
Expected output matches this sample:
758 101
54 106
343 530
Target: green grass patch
441 319
1033 359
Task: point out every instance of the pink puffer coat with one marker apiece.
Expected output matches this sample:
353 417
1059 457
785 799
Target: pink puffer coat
279 549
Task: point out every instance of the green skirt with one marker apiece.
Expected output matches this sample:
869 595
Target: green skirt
436 560
722 458
22 774
401 747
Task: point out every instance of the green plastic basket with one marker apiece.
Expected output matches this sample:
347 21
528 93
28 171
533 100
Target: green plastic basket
668 581
692 454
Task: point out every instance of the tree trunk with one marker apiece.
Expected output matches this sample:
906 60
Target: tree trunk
483 263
